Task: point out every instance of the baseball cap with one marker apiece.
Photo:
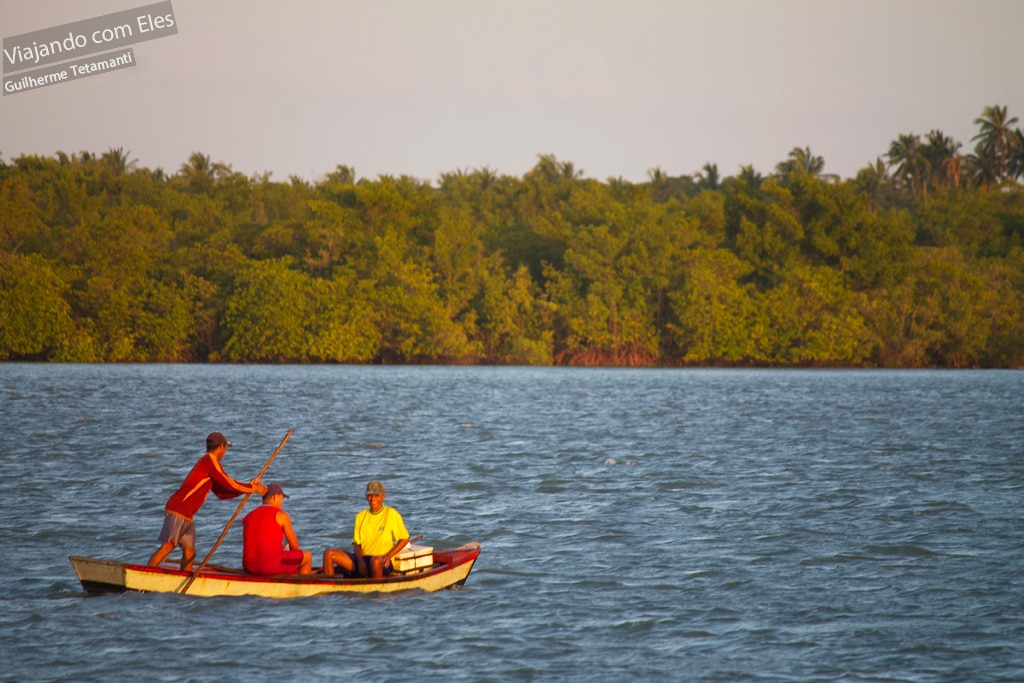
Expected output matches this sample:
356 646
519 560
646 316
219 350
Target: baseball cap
274 490
215 439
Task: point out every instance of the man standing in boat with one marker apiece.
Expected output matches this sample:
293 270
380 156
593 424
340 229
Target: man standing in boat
378 535
264 531
179 514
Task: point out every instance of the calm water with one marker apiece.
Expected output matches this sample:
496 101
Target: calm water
715 525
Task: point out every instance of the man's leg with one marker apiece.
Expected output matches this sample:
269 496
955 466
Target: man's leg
187 555
161 554
332 557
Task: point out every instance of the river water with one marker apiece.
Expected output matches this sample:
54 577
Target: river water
704 525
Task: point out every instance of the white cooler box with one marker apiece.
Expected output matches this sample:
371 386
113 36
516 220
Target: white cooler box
413 558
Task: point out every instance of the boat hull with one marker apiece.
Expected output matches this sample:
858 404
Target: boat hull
451 568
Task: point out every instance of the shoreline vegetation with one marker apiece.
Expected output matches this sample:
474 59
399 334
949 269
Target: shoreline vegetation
918 261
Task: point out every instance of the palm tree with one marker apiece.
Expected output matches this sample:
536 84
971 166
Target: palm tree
709 179
116 160
658 183
981 168
197 163
874 180
1015 163
944 159
623 190
906 153
343 175
197 173
995 135
485 177
547 169
569 172
749 177
952 167
657 176
801 158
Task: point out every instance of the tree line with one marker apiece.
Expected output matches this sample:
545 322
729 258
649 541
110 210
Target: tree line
915 262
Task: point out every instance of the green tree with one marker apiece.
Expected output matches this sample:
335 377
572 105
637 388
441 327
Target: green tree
842 232
515 319
339 325
198 173
933 317
705 220
109 262
22 226
603 291
750 180
322 239
970 221
713 310
810 318
35 318
801 159
765 232
708 178
1002 309
944 159
995 137
1015 162
874 181
907 155
408 313
457 259
136 311
265 316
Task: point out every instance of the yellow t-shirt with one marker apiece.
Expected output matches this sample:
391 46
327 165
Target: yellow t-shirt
378 533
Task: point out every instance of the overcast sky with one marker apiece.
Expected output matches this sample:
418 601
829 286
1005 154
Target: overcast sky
617 87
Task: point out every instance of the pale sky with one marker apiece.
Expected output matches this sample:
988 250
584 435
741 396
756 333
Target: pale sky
424 87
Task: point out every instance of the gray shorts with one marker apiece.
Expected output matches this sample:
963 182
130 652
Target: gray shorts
178 531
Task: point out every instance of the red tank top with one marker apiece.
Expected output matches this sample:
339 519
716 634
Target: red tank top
262 539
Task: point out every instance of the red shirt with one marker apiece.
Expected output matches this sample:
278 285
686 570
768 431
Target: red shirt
207 475
262 541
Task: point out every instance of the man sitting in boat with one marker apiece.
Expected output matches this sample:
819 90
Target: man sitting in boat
179 514
378 535
264 531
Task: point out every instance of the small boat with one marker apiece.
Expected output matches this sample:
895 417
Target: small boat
450 568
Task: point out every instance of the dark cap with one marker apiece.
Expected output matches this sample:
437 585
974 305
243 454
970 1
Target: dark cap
274 490
215 439
375 488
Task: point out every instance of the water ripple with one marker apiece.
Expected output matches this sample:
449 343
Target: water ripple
713 525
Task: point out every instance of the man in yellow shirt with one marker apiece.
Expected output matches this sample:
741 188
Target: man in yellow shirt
378 535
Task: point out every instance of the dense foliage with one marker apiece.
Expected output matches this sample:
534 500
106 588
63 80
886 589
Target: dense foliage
917 261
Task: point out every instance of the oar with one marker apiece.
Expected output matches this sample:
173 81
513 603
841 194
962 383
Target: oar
188 582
